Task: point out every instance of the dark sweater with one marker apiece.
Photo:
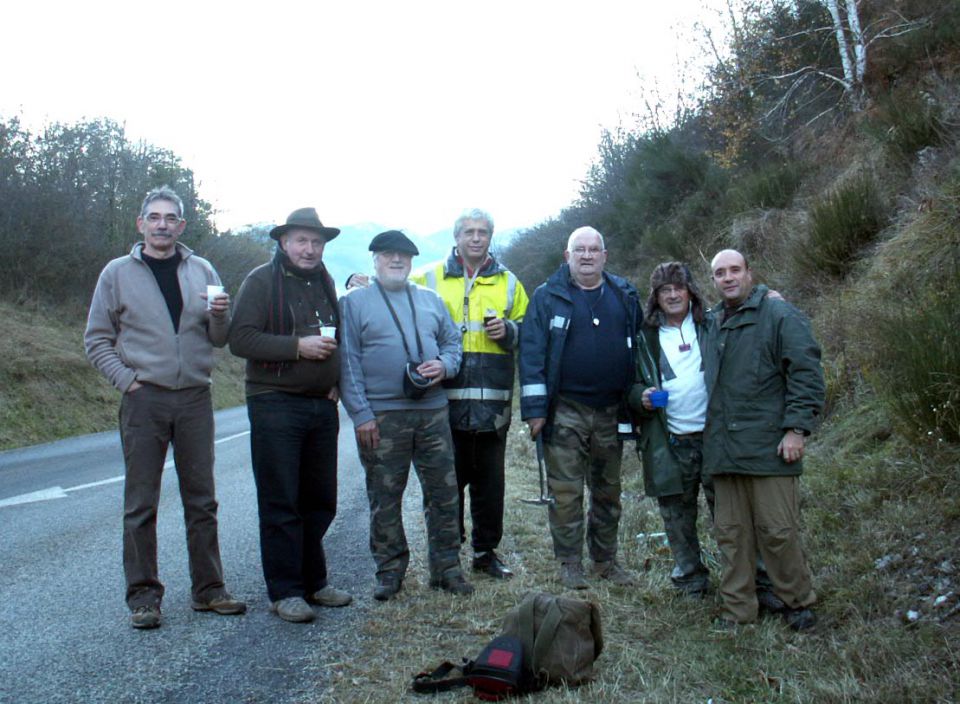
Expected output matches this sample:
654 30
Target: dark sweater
165 272
272 363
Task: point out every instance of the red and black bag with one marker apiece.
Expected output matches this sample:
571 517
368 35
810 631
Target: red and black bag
496 674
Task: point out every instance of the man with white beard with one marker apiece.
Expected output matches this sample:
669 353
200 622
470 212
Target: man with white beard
398 344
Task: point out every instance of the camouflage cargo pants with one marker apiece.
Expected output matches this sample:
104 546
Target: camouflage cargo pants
679 513
584 449
421 437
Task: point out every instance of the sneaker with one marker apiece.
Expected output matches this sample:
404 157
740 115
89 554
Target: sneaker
387 587
455 584
571 576
145 617
613 572
293 609
489 563
225 605
329 596
799 619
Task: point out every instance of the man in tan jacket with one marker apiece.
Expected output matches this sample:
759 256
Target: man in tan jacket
151 333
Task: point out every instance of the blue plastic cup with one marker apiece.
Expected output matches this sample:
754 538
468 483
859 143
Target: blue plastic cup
659 398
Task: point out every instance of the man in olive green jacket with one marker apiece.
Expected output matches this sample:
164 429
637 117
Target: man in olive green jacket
671 436
766 390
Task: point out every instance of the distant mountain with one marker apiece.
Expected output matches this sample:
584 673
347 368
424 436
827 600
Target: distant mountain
349 252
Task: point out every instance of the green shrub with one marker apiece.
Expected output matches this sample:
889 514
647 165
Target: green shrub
770 186
841 224
916 361
905 122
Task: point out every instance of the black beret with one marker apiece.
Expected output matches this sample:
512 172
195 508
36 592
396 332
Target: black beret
393 241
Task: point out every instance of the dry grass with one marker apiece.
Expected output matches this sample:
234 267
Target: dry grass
48 390
663 648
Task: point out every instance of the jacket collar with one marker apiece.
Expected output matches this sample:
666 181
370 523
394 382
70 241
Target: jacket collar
454 266
746 313
137 251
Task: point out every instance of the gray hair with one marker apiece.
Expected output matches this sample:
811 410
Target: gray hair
472 214
584 231
161 193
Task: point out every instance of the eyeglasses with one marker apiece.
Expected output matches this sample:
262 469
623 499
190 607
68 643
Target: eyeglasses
583 251
671 290
170 219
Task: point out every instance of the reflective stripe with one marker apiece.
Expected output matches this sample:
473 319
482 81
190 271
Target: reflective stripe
511 292
629 342
558 322
533 390
474 326
478 394
431 279
624 428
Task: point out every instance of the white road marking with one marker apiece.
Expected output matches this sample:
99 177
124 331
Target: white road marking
57 492
53 492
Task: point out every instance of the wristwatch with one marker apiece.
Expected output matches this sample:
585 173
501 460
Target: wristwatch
799 431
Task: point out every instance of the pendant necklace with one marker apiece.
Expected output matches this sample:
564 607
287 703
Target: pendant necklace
684 346
593 317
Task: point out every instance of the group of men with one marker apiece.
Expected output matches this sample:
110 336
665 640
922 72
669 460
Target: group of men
424 366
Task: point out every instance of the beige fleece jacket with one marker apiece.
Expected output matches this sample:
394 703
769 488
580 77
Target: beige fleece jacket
130 336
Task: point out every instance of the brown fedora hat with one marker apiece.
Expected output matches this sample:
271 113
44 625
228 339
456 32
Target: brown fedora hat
306 219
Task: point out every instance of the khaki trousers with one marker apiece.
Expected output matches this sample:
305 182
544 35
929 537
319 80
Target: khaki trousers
760 514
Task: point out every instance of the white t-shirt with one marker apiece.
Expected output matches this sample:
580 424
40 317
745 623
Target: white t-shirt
681 369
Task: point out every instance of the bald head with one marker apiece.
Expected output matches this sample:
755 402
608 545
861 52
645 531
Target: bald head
732 277
586 256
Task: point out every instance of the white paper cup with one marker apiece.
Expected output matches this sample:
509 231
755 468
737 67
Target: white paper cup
213 292
328 331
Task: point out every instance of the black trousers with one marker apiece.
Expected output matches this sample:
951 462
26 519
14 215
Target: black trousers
293 444
479 460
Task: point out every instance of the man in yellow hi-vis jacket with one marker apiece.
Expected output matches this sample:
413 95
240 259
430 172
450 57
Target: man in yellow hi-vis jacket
487 303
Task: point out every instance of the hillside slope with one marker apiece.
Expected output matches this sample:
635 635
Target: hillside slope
48 390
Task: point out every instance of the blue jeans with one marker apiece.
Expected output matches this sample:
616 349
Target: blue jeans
293 445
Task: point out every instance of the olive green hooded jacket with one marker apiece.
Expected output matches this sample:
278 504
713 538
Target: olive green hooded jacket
763 376
662 474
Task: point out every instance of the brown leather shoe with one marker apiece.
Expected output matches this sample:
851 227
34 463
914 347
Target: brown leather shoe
145 617
224 604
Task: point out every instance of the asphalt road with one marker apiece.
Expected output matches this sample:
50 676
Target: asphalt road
64 631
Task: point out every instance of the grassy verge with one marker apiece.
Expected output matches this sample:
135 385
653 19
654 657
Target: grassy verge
881 531
48 390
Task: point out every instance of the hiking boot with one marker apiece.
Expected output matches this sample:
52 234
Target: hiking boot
613 572
769 602
799 619
145 617
489 563
571 576
293 609
387 587
455 584
225 605
329 596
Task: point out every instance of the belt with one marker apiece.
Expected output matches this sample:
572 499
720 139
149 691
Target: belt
687 436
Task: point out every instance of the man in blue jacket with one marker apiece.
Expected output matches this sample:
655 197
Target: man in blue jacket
576 366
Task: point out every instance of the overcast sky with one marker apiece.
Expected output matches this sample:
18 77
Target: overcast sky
400 113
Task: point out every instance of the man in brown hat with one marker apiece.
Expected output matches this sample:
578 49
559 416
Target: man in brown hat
286 325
